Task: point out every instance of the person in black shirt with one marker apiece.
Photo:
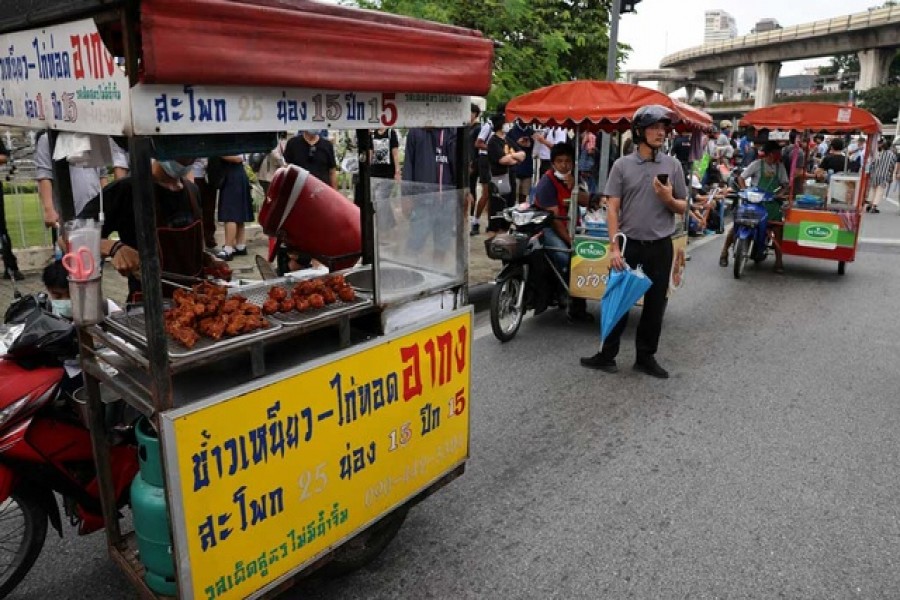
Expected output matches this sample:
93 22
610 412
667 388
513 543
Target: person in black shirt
503 153
315 154
179 226
10 263
834 161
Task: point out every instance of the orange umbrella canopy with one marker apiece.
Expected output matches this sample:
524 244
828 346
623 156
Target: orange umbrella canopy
597 105
813 116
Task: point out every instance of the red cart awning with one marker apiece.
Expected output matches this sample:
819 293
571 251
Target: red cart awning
596 105
813 116
300 43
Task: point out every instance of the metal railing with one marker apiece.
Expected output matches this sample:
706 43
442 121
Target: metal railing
871 18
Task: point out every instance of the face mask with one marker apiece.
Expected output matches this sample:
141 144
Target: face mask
559 174
175 169
62 308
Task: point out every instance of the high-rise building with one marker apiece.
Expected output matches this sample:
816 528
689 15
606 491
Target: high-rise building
764 25
720 26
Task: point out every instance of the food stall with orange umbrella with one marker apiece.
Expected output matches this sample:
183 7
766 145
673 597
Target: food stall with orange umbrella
824 221
588 105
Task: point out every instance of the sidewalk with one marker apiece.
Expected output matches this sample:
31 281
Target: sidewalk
481 269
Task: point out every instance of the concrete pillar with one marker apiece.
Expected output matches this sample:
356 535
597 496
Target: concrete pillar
691 92
667 87
766 79
874 66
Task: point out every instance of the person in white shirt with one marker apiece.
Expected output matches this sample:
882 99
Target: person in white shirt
546 139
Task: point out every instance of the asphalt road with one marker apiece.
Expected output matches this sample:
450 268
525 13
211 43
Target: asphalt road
766 467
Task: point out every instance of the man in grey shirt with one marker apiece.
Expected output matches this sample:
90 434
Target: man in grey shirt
646 189
86 182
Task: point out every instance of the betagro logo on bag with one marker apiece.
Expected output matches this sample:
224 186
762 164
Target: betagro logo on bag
817 231
590 250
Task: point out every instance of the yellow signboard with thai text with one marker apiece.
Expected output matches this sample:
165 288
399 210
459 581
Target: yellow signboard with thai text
264 482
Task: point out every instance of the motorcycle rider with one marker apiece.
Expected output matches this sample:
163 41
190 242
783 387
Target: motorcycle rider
768 174
553 194
646 190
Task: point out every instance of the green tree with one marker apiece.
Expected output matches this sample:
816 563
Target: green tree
541 42
883 102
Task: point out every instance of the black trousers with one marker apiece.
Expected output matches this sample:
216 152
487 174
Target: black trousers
655 258
10 263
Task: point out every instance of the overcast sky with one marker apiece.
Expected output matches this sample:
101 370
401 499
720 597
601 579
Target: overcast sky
662 27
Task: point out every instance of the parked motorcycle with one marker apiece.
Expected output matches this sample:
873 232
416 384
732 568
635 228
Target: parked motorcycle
750 230
529 276
45 446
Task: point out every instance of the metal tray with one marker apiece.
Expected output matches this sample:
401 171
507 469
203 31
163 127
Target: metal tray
259 293
131 327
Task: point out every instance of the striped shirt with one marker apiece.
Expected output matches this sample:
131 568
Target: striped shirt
883 167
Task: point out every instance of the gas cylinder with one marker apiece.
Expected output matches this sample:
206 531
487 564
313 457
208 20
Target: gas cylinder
151 516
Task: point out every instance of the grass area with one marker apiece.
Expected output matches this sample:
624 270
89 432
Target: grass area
24 218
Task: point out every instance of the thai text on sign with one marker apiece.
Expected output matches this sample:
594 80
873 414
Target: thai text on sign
265 482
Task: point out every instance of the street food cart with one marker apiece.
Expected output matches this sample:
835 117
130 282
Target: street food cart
305 442
601 106
824 221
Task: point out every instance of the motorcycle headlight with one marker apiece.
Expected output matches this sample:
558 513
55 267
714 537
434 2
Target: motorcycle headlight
522 218
12 410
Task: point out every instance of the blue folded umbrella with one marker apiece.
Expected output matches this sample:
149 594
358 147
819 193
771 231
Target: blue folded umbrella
623 289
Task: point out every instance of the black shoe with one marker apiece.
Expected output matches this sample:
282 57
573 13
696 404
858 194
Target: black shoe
649 366
875 209
580 316
17 275
222 255
476 229
600 362
240 251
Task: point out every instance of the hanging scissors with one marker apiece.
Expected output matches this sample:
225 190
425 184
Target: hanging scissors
79 263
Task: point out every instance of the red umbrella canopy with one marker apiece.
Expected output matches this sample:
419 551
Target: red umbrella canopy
814 116
597 105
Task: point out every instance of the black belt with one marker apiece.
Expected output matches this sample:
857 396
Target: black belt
649 242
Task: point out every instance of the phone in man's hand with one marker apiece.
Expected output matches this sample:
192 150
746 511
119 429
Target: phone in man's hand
663 178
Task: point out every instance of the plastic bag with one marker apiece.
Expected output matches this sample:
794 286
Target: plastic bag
46 338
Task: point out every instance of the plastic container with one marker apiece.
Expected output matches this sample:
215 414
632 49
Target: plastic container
151 515
85 233
87 301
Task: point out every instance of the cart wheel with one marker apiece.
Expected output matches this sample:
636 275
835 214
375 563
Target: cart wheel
23 528
741 256
842 266
366 546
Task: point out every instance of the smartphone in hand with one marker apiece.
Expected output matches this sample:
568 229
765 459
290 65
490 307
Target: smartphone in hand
663 178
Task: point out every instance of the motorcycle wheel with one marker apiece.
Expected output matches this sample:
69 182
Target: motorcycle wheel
23 529
506 311
741 256
366 546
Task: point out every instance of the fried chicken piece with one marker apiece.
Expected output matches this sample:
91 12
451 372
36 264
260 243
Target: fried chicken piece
346 294
231 305
252 309
185 336
304 288
236 324
287 305
270 307
316 301
335 282
328 296
302 304
212 327
278 293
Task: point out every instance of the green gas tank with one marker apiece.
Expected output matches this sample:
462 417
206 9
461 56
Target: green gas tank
151 516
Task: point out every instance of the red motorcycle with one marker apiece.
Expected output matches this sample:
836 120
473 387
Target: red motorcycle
46 448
